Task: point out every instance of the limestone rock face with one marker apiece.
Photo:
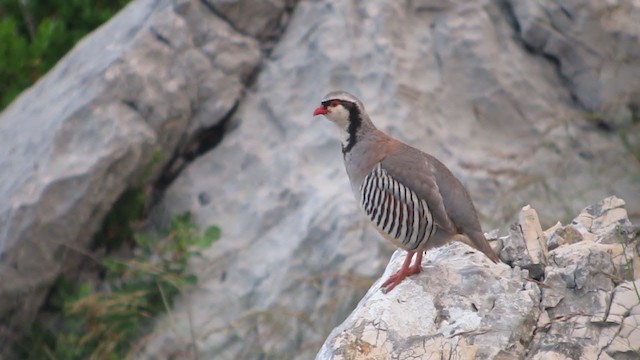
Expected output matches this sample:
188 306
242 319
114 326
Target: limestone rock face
146 82
451 78
526 244
263 19
595 44
591 299
462 306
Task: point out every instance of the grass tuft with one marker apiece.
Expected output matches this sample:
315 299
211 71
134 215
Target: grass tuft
107 321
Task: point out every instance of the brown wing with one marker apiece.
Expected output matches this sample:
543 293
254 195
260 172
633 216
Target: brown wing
448 200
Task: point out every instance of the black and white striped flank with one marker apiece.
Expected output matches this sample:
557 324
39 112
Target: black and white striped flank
396 210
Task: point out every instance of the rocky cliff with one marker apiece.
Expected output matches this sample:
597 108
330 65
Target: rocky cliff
462 306
149 83
527 102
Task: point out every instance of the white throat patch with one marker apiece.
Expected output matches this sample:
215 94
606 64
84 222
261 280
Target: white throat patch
339 115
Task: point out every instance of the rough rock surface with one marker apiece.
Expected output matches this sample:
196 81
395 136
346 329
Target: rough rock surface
591 305
526 244
262 19
462 306
596 45
294 256
452 78
148 81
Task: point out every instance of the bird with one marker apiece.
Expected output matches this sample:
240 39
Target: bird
410 197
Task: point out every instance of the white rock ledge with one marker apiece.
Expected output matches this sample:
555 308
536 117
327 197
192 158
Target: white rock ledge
463 306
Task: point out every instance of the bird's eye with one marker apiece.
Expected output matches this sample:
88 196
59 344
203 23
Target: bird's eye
334 103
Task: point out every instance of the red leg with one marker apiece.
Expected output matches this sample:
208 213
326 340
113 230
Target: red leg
417 265
404 271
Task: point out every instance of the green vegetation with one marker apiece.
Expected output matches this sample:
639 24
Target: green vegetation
34 35
108 321
108 318
131 208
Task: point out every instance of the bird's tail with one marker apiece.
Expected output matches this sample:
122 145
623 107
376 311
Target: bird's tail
477 240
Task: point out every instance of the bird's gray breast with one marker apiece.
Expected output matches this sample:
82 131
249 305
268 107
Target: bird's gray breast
398 213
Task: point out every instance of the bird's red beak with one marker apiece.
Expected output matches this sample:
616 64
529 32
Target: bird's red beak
320 110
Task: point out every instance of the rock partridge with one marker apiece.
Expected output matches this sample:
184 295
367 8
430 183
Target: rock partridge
411 198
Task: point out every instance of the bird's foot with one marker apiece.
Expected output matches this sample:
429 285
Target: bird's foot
399 276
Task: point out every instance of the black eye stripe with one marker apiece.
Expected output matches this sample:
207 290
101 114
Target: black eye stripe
346 104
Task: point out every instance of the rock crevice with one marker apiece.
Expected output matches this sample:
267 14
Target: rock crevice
160 77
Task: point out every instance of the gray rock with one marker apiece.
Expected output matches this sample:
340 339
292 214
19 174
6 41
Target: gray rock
145 82
580 278
594 44
563 235
462 306
533 235
526 245
624 312
606 224
591 309
601 221
294 256
449 78
465 307
262 19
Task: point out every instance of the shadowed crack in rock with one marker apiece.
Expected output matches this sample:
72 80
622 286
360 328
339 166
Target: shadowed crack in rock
507 9
224 17
207 139
161 38
202 142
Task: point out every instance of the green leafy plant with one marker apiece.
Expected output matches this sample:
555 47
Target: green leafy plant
131 208
106 322
34 35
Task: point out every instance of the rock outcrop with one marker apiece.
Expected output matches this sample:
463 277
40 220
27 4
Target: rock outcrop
453 79
595 45
149 81
462 306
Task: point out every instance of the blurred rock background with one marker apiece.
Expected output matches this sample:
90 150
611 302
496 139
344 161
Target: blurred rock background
527 102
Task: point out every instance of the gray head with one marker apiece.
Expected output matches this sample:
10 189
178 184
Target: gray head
347 112
338 106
